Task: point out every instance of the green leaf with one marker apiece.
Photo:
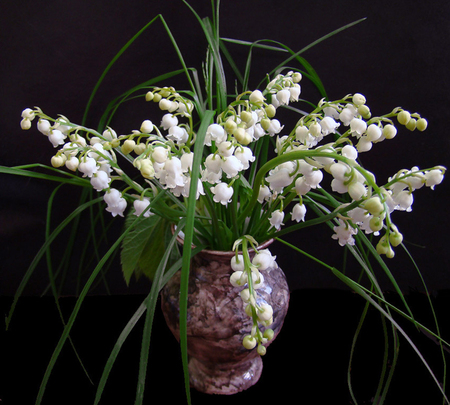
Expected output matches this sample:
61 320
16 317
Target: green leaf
144 246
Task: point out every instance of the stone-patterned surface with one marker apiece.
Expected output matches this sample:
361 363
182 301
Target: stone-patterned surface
217 323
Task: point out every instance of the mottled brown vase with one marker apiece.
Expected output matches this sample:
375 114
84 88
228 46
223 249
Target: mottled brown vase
217 322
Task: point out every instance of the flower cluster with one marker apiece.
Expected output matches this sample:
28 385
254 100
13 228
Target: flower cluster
248 275
240 190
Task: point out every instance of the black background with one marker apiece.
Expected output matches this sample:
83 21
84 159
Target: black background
52 54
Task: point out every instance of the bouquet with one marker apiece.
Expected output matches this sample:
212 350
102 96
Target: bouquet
229 174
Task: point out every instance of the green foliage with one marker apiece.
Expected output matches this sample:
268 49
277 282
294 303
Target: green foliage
143 247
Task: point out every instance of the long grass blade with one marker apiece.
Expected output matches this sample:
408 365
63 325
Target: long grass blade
187 250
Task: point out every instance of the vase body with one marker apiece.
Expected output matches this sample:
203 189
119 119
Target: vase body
217 322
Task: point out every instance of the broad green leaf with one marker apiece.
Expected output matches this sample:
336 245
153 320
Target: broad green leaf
143 247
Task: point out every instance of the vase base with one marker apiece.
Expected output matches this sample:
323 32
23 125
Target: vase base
225 379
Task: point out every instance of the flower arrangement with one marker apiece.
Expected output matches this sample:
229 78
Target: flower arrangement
230 175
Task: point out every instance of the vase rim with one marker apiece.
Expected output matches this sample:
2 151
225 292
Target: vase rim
263 245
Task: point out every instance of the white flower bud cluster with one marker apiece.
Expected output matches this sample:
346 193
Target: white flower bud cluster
249 277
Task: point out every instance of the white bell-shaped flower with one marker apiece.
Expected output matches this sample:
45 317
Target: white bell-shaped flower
169 120
178 134
232 166
140 206
222 193
100 180
283 96
328 125
88 166
56 137
216 133
245 155
276 219
298 212
264 260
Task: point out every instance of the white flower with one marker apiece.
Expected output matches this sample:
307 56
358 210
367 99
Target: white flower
433 178
245 155
178 134
264 260
160 154
28 114
358 99
172 175
213 163
283 96
279 179
373 132
146 127
187 185
298 212
116 203
264 194
276 219
237 264
344 233
56 137
349 152
186 161
256 97
140 206
25 124
225 149
358 126
88 166
301 186
328 125
274 127
215 133
72 163
100 180
222 193
364 144
112 197
169 120
314 178
347 114
238 279
294 92
232 166
265 312
44 126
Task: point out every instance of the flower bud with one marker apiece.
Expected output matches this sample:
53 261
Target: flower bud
389 131
268 334
157 97
58 161
374 206
146 127
376 223
403 117
140 148
230 126
270 110
261 350
25 124
236 279
296 77
149 96
364 111
411 125
128 146
165 104
358 99
249 342
421 124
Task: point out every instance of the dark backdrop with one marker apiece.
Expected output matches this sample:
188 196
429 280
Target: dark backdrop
52 53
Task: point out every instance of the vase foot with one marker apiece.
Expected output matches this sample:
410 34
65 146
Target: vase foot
225 379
